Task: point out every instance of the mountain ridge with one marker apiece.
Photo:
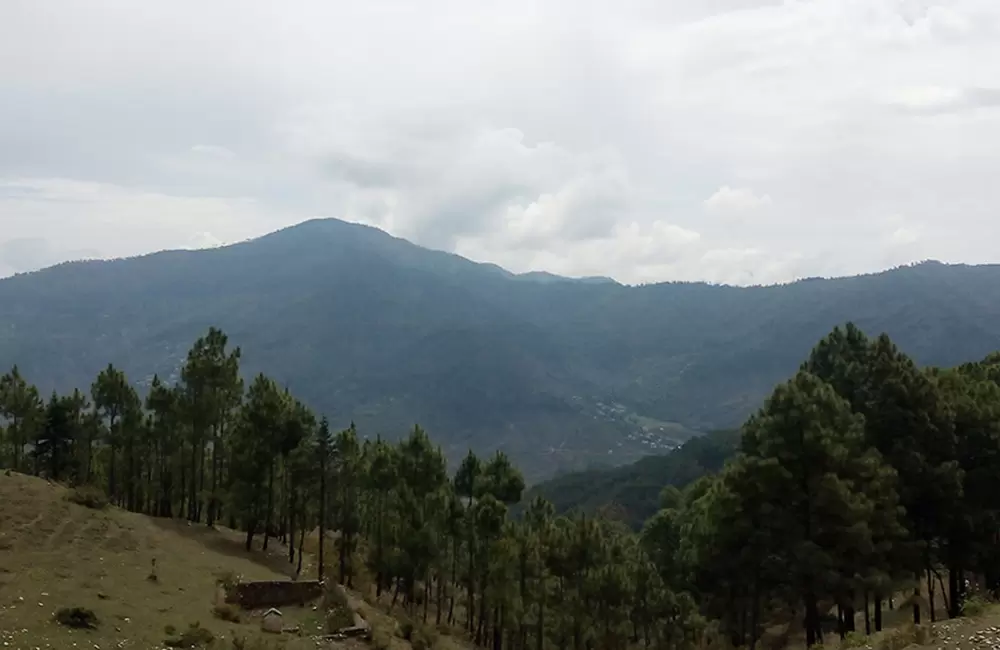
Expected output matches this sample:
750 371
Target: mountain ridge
560 374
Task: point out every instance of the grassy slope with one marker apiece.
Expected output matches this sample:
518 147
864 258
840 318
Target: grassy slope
56 554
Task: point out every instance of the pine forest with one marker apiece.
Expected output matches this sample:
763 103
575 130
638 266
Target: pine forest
864 482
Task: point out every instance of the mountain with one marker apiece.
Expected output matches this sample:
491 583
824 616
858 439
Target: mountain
632 491
562 374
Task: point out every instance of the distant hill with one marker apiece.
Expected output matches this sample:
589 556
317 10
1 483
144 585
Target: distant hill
561 374
633 491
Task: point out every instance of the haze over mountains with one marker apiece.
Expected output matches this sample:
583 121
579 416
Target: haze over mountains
559 373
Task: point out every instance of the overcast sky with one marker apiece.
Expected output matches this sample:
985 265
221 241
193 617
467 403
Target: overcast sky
737 141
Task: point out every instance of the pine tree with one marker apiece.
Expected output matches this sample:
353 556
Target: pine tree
22 409
824 487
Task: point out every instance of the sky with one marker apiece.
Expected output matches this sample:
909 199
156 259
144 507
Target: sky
733 141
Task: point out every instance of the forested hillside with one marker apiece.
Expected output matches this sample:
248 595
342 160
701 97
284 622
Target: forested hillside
861 477
559 374
632 492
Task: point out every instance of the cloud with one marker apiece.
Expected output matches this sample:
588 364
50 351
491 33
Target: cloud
94 220
736 200
30 253
605 140
903 236
937 100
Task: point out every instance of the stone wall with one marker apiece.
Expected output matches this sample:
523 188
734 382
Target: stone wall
255 595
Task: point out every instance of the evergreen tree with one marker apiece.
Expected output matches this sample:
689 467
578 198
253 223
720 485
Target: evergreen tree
22 409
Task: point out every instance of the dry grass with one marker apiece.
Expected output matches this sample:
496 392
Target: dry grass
60 555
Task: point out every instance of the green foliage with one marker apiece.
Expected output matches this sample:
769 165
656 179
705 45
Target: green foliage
637 488
975 605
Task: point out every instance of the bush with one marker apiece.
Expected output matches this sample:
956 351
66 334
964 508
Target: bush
406 630
905 636
424 639
421 637
228 580
381 640
974 606
337 608
854 640
226 612
89 496
194 637
77 618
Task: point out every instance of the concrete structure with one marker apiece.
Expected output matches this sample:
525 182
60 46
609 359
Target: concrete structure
272 622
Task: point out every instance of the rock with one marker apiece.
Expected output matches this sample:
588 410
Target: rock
272 622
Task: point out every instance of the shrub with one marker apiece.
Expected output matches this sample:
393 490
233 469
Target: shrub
854 640
381 639
194 637
89 496
226 612
421 637
905 636
228 580
974 605
77 618
424 638
337 608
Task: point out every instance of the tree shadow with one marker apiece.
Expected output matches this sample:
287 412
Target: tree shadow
231 543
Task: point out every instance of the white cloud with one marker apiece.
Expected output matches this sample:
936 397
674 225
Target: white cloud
736 200
87 220
585 140
903 236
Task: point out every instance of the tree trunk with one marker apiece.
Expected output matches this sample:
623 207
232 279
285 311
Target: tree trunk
291 529
302 539
498 628
868 620
541 619
270 504
250 533
112 486
193 496
755 614
944 593
210 520
440 599
954 602
813 633
321 568
878 612
930 595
